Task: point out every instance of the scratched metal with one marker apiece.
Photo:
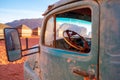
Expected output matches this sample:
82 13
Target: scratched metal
58 64
110 40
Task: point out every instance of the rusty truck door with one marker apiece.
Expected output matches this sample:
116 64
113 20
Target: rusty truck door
61 59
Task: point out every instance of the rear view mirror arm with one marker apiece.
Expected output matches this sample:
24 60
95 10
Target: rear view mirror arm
31 52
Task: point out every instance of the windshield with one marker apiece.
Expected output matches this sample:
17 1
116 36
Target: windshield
82 27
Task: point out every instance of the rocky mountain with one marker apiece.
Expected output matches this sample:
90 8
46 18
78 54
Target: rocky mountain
32 23
79 29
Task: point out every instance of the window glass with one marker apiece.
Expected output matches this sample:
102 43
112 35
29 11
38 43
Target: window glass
49 32
74 30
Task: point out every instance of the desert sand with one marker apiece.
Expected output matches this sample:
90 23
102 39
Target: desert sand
13 70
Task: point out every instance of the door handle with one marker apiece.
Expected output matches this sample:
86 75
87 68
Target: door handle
82 73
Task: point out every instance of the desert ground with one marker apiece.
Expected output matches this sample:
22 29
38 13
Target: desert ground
14 70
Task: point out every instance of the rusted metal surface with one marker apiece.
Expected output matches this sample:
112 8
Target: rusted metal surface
32 67
110 40
62 3
104 60
57 64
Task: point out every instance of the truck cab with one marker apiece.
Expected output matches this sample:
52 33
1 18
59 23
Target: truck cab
79 41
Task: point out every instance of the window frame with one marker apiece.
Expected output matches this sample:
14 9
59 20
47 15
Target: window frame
85 20
46 28
92 5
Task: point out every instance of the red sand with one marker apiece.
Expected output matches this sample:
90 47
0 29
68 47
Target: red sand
13 70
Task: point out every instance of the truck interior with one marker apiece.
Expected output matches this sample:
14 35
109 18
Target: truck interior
72 30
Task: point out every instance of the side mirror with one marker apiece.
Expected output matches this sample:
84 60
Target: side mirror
13 45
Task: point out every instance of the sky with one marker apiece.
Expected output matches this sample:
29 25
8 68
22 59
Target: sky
11 10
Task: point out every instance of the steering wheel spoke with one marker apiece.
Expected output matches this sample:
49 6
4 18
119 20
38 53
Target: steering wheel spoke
69 37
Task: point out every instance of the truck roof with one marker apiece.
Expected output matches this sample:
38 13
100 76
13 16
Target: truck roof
58 4
61 3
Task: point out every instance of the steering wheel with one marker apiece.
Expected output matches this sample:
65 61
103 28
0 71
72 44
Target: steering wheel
69 36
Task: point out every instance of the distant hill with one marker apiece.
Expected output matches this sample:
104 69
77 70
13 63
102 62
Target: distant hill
32 23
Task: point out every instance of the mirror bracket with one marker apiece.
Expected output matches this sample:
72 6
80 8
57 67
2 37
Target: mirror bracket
31 52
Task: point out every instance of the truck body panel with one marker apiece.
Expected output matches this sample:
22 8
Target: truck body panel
109 40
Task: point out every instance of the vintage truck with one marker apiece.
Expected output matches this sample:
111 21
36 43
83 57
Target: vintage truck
79 41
